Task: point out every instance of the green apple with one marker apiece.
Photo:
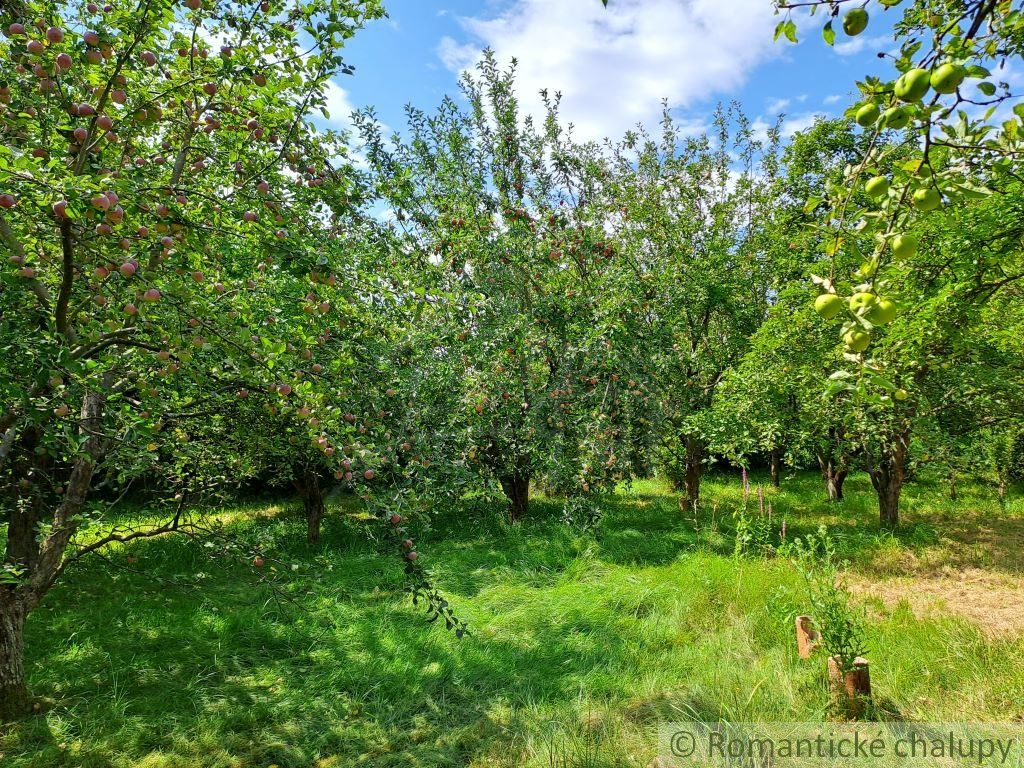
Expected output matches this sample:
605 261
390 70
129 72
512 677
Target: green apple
904 246
901 394
947 77
927 199
860 300
913 85
877 186
855 21
867 115
895 118
881 312
857 340
828 305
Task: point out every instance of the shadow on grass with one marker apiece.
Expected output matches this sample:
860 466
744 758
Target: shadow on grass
188 656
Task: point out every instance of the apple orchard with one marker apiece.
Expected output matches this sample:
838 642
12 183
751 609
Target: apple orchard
203 289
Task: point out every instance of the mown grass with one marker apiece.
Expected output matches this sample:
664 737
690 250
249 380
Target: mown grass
581 641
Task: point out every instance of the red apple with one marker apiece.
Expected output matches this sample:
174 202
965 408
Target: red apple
54 34
91 38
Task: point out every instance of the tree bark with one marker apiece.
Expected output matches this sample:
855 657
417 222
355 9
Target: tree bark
888 476
691 479
834 475
775 459
517 488
14 698
307 483
952 485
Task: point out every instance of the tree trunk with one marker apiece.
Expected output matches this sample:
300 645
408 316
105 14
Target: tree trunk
691 483
775 459
952 485
887 477
14 698
43 556
833 475
308 485
517 487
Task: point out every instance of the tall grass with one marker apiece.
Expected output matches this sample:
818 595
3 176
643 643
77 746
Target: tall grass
581 641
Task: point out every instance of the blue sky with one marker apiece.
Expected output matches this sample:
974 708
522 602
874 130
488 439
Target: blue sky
613 66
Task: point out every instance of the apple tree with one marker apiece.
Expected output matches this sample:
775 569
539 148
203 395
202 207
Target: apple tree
693 275
165 195
945 97
501 251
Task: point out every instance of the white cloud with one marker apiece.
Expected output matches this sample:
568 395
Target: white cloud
800 123
340 107
858 44
457 56
777 105
835 98
614 66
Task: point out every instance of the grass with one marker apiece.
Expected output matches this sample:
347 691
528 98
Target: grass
581 642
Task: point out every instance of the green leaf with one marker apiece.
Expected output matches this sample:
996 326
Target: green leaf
812 203
987 88
790 31
828 33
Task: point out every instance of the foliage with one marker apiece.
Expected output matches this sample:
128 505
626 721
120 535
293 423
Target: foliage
942 101
840 625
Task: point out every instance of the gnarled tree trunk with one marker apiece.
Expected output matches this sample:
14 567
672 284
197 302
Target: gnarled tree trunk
307 483
833 474
14 698
42 558
775 464
517 488
888 475
691 479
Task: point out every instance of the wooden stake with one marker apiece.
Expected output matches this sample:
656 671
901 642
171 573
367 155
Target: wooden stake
850 690
807 637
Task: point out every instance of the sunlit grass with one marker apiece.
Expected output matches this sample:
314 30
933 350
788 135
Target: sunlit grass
582 641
